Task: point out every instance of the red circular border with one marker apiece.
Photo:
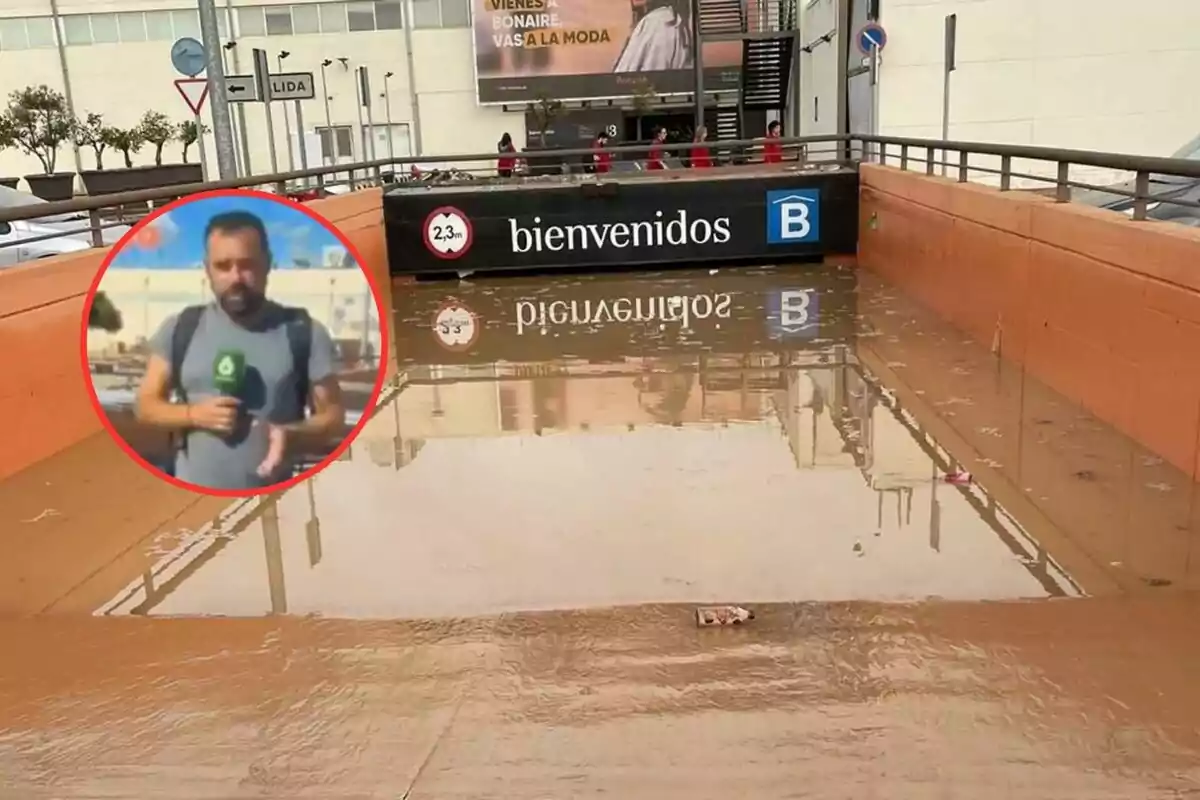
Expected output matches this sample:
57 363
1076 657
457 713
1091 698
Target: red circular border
450 303
429 245
368 411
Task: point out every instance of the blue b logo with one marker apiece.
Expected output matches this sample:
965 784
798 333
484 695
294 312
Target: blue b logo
794 216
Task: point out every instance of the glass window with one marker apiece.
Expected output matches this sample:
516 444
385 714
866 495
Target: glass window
389 15
456 13
340 137
132 26
12 34
77 29
427 14
361 16
40 31
104 28
345 142
306 19
333 17
158 26
186 23
401 147
279 20
251 21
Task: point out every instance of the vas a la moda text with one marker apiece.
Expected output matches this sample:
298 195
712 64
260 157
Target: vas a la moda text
660 230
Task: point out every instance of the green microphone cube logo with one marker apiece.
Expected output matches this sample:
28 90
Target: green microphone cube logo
228 371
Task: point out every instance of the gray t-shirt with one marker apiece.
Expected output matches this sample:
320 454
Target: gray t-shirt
269 393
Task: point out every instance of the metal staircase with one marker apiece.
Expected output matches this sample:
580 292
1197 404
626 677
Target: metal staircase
766 68
767 30
722 18
729 125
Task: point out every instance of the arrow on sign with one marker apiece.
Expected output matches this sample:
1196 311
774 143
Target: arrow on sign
194 92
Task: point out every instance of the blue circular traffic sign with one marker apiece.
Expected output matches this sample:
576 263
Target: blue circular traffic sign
871 35
188 56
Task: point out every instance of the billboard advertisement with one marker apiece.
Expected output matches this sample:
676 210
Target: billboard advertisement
591 49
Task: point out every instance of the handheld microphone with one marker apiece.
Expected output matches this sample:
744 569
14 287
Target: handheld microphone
229 372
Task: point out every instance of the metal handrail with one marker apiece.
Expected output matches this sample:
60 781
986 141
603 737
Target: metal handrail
281 179
1088 158
871 148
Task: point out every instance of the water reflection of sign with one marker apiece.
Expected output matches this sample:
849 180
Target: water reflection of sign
793 314
614 317
593 314
448 233
455 326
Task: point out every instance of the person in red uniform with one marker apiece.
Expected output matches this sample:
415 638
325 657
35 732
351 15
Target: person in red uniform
655 159
601 158
508 159
772 149
701 158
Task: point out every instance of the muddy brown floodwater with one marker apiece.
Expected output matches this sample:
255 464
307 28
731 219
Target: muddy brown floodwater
492 595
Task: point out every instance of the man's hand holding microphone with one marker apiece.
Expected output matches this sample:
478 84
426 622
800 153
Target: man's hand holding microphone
219 413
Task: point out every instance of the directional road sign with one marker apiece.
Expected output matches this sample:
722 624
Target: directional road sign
194 91
241 89
291 86
871 35
188 57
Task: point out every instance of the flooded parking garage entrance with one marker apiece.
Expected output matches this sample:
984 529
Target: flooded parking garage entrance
491 595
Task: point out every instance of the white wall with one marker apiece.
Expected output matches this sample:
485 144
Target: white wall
123 80
1090 74
819 68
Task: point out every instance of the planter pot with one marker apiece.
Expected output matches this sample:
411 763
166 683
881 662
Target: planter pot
111 181
59 186
10 183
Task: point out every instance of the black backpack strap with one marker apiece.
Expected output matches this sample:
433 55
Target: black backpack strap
181 338
299 333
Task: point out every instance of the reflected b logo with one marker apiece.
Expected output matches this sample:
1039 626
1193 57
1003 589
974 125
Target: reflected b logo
794 216
793 314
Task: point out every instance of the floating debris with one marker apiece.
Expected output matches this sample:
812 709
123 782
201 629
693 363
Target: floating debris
711 616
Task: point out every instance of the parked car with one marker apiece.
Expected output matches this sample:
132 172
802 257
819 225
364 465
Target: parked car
1168 187
15 250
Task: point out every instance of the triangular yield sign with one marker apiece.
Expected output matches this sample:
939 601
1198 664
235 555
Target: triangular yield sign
194 91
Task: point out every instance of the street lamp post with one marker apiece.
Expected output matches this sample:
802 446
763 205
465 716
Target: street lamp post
387 114
287 125
332 154
243 139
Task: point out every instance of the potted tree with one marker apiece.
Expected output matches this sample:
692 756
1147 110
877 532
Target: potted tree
154 129
543 113
189 133
128 141
92 132
157 130
37 121
7 141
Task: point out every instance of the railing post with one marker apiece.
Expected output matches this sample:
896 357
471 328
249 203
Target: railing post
882 152
930 157
904 157
1141 194
1005 173
1062 184
281 188
94 228
962 166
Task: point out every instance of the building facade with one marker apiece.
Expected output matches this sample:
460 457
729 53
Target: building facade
1087 74
113 57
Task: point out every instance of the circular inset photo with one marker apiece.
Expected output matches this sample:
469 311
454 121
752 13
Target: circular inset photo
233 343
